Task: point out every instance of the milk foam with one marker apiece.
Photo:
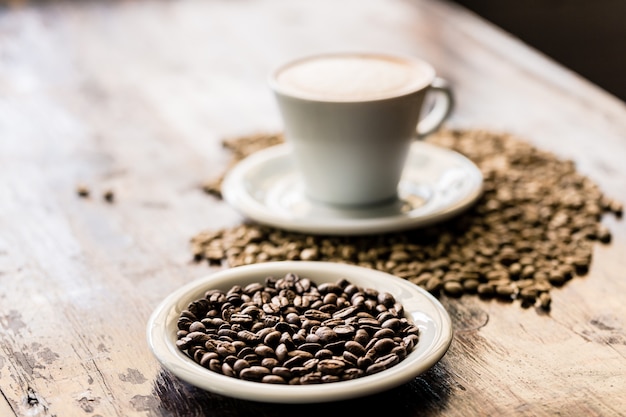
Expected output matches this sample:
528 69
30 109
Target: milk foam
353 77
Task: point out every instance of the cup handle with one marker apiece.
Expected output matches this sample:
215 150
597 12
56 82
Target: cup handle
444 101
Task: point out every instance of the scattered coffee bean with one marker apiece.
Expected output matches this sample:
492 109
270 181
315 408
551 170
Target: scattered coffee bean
536 222
109 196
82 191
286 350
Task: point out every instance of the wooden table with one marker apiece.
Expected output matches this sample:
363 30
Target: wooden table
137 96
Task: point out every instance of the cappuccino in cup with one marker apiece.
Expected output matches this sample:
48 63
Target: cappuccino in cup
353 77
351 119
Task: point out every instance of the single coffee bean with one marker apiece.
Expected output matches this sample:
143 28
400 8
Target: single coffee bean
383 345
330 378
384 333
323 354
331 366
215 365
388 360
254 373
228 370
310 347
362 336
350 358
326 335
392 324
248 337
311 378
264 351
352 373
240 364
335 347
273 379
355 348
313 314
282 372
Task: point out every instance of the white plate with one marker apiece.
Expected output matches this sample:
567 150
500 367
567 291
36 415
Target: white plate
420 307
436 184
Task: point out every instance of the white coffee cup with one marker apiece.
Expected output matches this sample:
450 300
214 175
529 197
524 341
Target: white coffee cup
351 118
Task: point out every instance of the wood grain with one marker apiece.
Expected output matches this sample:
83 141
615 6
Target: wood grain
136 97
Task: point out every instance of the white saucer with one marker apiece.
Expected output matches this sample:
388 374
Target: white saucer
436 184
420 307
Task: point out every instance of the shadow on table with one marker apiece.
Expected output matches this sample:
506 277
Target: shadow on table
428 394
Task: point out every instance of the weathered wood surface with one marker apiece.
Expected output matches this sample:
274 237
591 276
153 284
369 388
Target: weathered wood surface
136 96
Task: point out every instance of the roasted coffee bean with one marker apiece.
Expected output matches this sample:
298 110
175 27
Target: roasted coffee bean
381 364
453 288
323 354
254 373
392 324
264 351
240 364
365 361
387 299
313 314
228 370
486 290
281 351
270 308
352 373
344 331
332 322
329 287
383 345
362 336
388 360
248 337
295 360
293 318
226 349
183 343
326 335
335 347
368 321
288 340
400 351
272 338
355 348
310 347
384 333
273 379
330 378
545 301
198 337
208 356
239 338
284 327
350 358
311 378
346 312
253 359
283 372
331 366
269 362
227 333
197 326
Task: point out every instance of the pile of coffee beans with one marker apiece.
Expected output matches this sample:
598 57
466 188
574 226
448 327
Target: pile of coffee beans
532 230
291 331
